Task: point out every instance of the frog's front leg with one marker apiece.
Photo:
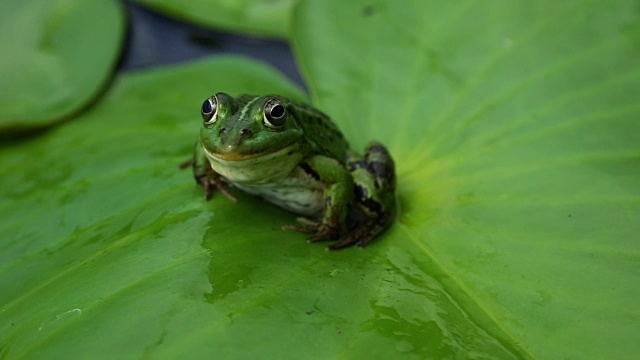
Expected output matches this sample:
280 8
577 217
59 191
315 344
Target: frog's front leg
338 197
204 175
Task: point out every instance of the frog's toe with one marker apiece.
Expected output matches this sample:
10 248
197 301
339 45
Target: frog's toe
360 236
363 234
185 164
301 228
211 183
324 233
308 222
304 225
343 243
223 190
320 232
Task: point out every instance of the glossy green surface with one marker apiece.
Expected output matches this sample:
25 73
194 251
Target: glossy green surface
126 246
270 18
518 129
516 135
55 58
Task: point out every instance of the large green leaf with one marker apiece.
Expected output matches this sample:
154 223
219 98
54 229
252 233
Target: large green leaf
107 245
56 56
102 234
254 17
514 127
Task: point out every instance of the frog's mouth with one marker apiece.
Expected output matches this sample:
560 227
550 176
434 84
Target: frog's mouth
255 168
234 158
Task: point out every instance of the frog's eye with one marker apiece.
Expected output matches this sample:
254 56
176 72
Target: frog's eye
274 113
209 110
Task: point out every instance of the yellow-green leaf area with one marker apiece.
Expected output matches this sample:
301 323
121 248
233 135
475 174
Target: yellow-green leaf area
516 127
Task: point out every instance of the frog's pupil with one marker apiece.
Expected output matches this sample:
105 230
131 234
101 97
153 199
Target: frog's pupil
277 111
206 107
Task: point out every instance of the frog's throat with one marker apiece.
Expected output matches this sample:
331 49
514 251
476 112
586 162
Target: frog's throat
237 159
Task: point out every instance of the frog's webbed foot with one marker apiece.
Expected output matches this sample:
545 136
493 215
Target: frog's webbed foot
212 181
363 233
209 181
321 231
360 235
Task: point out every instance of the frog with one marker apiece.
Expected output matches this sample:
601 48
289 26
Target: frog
294 156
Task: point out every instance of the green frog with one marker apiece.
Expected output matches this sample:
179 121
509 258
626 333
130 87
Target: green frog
294 156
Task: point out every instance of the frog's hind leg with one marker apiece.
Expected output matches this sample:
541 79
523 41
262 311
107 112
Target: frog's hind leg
381 166
374 188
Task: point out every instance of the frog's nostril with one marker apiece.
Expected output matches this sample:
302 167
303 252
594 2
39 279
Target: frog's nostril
246 133
222 131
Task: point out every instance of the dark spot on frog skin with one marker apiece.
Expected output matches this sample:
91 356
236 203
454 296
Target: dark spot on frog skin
328 201
360 192
377 148
372 205
307 169
382 173
368 10
379 169
353 165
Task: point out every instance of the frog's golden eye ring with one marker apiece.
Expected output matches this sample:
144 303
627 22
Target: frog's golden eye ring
209 110
274 113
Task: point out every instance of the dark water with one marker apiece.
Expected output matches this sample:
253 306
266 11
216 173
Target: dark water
154 40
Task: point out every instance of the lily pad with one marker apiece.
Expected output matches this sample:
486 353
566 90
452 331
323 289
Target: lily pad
264 18
56 58
103 234
517 151
111 238
517 132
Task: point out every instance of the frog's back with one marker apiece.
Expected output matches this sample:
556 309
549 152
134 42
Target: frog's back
321 133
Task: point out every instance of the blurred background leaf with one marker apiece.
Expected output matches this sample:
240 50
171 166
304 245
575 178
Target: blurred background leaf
270 18
56 58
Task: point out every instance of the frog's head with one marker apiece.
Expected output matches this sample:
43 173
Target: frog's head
247 126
